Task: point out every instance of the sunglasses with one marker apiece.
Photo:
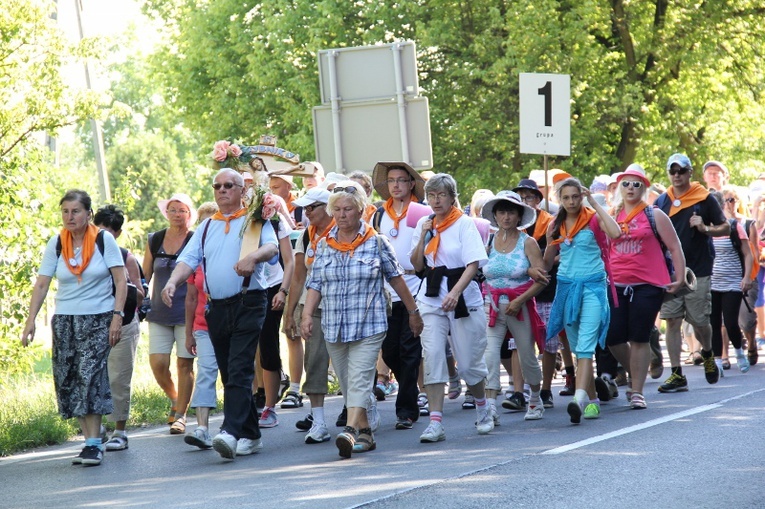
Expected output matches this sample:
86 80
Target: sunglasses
635 183
730 200
349 190
227 185
313 206
681 171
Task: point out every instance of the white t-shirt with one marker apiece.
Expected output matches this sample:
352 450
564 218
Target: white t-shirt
460 245
94 294
275 272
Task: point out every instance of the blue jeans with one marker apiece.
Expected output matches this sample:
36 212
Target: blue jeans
234 325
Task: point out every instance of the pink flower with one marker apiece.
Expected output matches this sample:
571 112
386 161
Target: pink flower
235 150
268 212
220 150
270 206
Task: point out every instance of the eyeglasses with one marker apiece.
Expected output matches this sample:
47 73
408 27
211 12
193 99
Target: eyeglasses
437 196
227 185
177 211
401 181
529 198
313 206
349 190
681 171
635 183
730 200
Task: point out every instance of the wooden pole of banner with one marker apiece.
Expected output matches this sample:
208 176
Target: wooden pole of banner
251 238
547 186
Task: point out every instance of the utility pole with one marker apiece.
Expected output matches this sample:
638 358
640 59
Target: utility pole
95 127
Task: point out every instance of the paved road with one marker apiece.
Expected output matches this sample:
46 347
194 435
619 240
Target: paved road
703 448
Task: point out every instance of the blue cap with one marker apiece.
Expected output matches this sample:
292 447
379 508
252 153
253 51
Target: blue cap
680 160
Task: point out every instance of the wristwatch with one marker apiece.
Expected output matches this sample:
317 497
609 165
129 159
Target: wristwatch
121 313
415 311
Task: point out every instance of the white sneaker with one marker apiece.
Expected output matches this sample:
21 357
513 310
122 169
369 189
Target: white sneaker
433 433
535 413
199 438
485 421
268 419
247 446
373 415
743 361
318 434
225 445
718 362
495 415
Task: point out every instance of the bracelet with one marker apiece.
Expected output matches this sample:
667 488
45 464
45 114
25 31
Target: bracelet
284 291
415 311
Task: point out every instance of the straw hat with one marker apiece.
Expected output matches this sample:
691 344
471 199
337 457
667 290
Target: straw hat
380 177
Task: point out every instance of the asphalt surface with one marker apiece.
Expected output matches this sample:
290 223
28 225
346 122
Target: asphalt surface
703 448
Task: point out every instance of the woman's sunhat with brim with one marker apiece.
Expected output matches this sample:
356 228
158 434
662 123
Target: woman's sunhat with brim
634 170
380 179
529 214
529 185
180 198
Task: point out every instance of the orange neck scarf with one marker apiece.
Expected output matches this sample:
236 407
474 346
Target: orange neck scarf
67 250
624 224
543 221
689 198
314 240
350 247
290 206
369 211
582 221
388 206
451 218
220 217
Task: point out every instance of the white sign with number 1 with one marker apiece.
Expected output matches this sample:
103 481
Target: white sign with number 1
545 114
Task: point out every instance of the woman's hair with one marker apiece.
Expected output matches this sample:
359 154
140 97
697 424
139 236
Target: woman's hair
561 214
77 195
742 206
109 216
443 181
618 202
359 197
206 210
366 180
504 205
479 199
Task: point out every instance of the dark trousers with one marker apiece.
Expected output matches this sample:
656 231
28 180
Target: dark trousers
402 352
725 308
234 326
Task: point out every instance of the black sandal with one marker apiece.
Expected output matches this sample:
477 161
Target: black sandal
753 356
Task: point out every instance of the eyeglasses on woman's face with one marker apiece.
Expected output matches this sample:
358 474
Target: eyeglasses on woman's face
731 200
433 197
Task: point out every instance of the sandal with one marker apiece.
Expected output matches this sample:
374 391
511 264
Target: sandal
116 443
345 441
171 417
365 441
726 364
637 401
178 427
455 388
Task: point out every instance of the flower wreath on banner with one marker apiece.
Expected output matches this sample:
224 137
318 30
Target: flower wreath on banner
264 206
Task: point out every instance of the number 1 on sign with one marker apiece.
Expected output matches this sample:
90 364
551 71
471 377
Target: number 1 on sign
547 92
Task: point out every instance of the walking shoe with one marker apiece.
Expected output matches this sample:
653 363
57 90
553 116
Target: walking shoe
178 427
719 364
515 402
268 419
77 460
637 401
621 377
317 434
433 433
602 389
345 442
116 443
494 414
247 446
284 385
547 398
422 403
380 391
675 383
656 368
569 387
342 419
711 371
199 438
574 411
260 400
485 421
592 411
365 441
742 361
305 423
752 357
534 413
373 416
469 402
92 455
292 400
104 436
455 388
404 423
225 445
725 364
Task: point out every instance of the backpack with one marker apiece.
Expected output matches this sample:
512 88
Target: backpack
131 299
155 244
736 241
667 256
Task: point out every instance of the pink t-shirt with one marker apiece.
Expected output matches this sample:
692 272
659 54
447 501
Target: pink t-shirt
198 280
636 258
